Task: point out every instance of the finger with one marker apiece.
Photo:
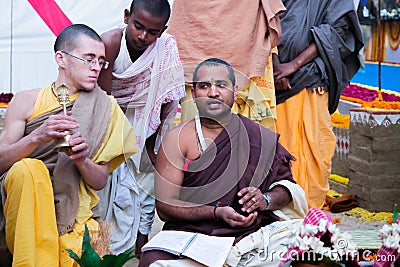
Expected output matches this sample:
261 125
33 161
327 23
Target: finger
234 216
251 205
80 147
62 117
243 191
279 85
64 125
77 156
252 191
246 190
288 84
280 76
277 71
254 206
250 219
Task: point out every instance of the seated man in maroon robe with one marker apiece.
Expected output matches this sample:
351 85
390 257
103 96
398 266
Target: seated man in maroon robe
222 174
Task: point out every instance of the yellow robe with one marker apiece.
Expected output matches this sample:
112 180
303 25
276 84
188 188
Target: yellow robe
305 126
31 232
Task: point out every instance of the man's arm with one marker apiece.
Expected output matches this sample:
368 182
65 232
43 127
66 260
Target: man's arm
94 174
169 179
282 70
13 144
112 42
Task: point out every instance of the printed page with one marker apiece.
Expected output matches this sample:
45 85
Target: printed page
170 241
209 250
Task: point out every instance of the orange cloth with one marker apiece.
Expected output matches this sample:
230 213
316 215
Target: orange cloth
30 197
245 34
306 132
239 32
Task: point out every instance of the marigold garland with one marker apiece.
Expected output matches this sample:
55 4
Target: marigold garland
370 98
339 179
333 193
365 215
340 120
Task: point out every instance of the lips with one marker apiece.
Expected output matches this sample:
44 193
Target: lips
214 103
140 45
93 78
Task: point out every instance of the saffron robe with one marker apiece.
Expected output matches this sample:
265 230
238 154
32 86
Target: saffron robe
333 26
110 139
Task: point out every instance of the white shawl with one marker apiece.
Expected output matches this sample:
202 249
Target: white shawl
155 78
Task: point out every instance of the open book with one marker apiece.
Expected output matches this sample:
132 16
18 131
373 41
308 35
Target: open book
208 250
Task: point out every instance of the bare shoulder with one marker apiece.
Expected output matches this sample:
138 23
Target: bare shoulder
183 138
22 104
112 41
18 112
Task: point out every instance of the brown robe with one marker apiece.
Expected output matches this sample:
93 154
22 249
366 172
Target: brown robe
244 154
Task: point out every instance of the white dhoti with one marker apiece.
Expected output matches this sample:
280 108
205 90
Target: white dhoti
128 202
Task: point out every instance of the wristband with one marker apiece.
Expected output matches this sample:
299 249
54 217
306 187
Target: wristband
213 214
268 200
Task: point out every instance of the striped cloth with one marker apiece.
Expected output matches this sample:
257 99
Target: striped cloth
313 217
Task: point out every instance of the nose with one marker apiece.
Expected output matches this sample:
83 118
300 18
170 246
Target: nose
143 35
95 65
213 91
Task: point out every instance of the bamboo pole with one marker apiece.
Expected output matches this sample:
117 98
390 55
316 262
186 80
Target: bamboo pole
379 46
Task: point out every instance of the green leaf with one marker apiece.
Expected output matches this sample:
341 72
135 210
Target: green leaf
118 260
395 214
89 257
74 256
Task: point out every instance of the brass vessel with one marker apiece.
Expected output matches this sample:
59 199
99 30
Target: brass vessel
62 93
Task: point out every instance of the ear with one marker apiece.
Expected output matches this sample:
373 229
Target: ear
235 91
193 93
127 15
59 57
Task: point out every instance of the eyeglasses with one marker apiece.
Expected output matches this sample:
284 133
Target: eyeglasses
91 62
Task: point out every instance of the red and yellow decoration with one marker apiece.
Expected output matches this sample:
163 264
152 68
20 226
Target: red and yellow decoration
5 98
369 97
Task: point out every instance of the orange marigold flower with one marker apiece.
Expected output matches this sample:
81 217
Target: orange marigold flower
390 220
337 220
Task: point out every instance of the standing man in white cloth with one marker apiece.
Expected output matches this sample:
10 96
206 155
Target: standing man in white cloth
146 78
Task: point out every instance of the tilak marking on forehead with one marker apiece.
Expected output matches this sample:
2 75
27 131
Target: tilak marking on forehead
212 84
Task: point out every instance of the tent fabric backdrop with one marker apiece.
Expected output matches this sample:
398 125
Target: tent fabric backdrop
28 31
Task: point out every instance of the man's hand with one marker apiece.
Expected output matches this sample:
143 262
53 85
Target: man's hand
53 128
282 84
79 147
283 70
234 219
252 199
